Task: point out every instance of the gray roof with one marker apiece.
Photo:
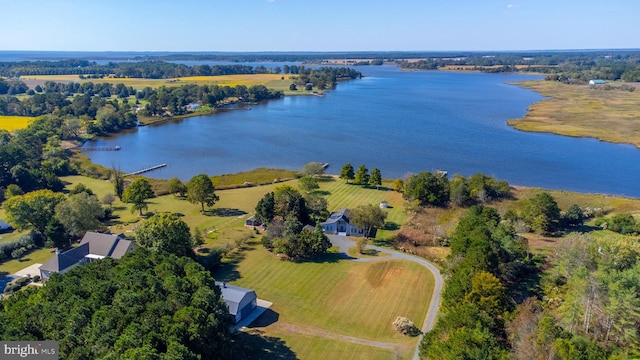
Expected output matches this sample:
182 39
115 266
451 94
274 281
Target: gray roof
234 296
107 244
114 246
61 261
4 225
335 216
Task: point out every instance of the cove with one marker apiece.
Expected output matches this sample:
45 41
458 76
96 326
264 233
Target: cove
397 121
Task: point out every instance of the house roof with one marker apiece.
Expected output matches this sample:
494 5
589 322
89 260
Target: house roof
61 261
4 225
234 296
93 245
107 244
335 216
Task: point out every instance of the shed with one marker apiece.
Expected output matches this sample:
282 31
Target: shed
252 222
597 82
4 225
241 301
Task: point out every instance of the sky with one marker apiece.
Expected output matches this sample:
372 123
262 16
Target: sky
318 25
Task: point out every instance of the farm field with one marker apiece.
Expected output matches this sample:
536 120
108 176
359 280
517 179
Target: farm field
582 111
274 81
335 297
11 123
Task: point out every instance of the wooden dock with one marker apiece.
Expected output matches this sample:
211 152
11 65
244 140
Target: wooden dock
99 148
151 168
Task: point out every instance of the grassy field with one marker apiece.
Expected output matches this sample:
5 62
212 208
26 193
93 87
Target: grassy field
582 111
256 176
329 296
11 123
273 81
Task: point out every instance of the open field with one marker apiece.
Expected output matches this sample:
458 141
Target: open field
328 295
273 81
582 111
255 176
11 123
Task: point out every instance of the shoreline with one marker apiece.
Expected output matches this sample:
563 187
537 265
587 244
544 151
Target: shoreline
579 111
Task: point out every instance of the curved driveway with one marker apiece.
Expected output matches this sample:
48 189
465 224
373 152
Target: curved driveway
344 244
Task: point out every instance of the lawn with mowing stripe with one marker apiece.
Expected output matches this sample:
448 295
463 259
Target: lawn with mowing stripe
341 296
342 195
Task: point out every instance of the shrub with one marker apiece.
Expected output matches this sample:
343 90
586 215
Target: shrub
406 327
36 278
18 253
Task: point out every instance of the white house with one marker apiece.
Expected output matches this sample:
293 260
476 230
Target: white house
338 224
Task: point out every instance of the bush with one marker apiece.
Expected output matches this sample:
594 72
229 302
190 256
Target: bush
18 253
406 327
36 278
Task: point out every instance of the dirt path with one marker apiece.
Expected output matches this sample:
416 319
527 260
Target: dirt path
308 330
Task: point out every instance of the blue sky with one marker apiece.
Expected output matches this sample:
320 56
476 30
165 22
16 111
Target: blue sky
317 25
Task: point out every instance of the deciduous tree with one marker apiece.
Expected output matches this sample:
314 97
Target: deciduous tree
312 169
136 194
368 217
79 213
308 184
165 232
200 189
32 210
175 186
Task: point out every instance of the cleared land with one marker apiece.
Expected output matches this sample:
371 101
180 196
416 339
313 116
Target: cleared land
272 81
11 123
338 296
583 111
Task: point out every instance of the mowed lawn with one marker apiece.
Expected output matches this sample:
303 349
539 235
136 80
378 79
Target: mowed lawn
336 295
235 205
11 123
340 195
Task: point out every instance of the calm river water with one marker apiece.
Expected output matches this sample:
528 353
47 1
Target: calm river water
397 121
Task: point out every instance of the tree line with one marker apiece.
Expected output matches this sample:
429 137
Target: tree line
571 67
146 69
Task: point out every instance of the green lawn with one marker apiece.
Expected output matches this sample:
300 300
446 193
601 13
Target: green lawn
339 296
280 343
341 195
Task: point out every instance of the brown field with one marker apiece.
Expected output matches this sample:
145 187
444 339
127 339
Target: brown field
583 111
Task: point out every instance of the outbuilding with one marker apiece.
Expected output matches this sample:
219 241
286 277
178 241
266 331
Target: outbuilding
241 301
597 82
4 225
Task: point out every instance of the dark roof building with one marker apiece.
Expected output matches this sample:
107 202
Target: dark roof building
93 246
241 301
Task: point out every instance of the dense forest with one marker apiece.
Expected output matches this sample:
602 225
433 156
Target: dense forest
144 306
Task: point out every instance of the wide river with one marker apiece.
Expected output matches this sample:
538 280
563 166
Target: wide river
401 122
